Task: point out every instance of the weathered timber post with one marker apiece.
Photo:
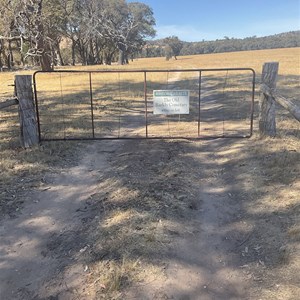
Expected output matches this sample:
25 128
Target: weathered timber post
8 103
267 121
289 105
28 123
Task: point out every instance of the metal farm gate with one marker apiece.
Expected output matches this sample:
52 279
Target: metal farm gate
118 104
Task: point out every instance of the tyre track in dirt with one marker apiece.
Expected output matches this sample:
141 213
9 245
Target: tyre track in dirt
40 248
200 221
205 262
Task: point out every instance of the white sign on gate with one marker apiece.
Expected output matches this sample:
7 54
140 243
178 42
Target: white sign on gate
171 102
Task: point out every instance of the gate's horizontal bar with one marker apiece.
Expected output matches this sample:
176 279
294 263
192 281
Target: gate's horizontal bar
149 138
147 70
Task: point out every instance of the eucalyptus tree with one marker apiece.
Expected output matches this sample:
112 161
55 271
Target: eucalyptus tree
174 44
54 21
88 30
108 22
33 25
125 25
73 26
96 29
141 26
30 23
135 29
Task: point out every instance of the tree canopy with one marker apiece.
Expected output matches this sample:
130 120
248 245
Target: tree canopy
56 32
174 46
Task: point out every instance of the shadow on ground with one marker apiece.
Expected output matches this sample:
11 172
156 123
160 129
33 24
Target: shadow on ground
151 198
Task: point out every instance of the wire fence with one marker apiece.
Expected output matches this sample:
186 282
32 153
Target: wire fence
9 119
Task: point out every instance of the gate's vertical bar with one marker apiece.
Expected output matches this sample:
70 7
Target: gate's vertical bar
62 105
37 107
92 106
199 101
146 102
252 103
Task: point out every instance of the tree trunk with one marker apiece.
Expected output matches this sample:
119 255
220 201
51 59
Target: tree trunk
121 57
73 52
8 61
45 62
122 54
82 53
107 58
59 58
98 58
21 46
267 121
90 53
41 45
1 50
11 56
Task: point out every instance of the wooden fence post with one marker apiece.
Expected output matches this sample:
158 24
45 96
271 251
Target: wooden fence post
267 121
28 123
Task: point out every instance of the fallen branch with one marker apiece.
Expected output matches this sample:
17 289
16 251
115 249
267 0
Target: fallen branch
8 103
285 103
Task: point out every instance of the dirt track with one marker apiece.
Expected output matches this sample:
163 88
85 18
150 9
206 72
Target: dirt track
180 207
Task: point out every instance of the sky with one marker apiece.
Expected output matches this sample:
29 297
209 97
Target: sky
197 20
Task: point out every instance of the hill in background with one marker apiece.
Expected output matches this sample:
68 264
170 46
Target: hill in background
157 48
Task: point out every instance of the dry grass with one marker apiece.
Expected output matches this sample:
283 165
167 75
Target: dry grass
287 58
22 170
65 97
110 277
275 161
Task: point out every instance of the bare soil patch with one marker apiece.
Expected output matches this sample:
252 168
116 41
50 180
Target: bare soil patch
158 220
